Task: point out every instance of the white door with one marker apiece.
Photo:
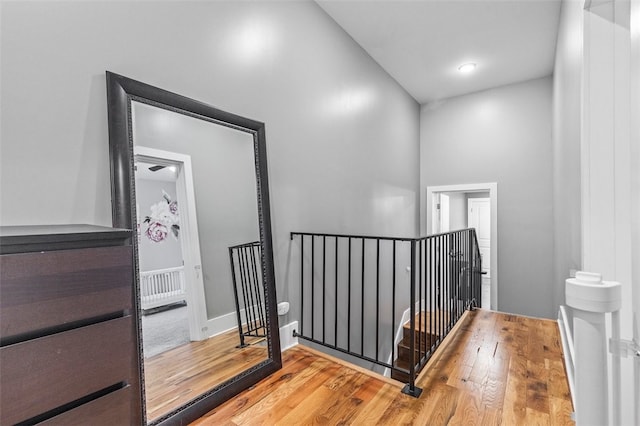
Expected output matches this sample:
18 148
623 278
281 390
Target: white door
444 213
479 217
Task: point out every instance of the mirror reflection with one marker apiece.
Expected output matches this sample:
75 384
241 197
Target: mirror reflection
199 255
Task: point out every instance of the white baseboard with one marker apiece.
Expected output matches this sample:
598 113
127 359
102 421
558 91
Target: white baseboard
229 321
221 324
566 340
286 336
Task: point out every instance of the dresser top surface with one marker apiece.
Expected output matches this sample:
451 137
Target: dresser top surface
29 237
42 230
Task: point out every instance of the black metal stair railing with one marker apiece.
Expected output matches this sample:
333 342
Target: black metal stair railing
447 283
246 274
357 291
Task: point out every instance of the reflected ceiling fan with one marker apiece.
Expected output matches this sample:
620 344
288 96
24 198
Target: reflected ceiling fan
151 168
142 166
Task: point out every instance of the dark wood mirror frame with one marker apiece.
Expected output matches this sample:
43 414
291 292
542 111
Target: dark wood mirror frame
120 92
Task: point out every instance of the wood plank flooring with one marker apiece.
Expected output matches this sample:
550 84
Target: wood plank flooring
493 369
176 376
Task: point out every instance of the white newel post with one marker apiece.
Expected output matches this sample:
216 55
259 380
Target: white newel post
591 299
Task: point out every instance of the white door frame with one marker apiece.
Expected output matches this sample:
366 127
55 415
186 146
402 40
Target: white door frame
492 189
190 241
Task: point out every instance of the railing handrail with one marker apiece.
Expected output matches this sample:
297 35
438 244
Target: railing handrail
357 237
375 237
254 243
244 261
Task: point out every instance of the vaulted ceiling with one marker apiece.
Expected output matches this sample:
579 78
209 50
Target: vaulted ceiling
421 43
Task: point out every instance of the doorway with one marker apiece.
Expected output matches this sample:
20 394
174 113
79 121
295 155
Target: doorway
170 261
453 207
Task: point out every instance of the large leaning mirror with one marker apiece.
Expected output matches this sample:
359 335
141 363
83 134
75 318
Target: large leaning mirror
192 180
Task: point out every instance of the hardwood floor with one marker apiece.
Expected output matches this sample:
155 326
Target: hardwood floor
175 377
493 369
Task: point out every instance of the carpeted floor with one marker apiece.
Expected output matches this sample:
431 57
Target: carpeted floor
164 330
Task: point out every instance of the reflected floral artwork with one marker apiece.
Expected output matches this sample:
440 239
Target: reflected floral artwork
164 217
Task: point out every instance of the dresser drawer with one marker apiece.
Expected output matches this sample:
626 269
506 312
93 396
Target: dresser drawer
43 290
110 410
42 374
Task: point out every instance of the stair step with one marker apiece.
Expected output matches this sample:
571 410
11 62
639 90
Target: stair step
401 363
424 337
427 323
404 350
422 340
401 376
440 318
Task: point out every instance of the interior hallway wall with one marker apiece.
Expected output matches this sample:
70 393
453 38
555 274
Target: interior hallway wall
342 135
502 135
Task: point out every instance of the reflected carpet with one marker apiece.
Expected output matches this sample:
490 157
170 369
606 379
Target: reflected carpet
164 330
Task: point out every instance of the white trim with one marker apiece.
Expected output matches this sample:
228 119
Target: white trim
585 129
566 336
492 188
286 336
634 111
221 324
224 323
609 176
189 239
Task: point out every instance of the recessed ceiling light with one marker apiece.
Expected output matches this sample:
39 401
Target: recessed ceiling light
467 68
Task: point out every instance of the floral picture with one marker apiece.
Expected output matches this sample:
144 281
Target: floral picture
164 218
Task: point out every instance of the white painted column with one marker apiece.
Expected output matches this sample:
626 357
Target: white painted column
634 108
591 299
610 175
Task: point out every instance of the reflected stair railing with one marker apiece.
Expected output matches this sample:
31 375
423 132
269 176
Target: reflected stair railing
246 274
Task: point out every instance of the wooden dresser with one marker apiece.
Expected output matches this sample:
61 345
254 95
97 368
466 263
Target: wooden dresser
68 350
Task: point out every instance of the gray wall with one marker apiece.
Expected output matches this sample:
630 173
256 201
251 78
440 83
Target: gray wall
168 252
342 136
502 135
567 105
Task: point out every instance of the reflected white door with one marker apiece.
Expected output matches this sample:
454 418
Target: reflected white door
479 217
444 213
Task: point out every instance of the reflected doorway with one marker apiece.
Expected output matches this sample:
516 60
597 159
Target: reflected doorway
168 260
163 299
454 207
